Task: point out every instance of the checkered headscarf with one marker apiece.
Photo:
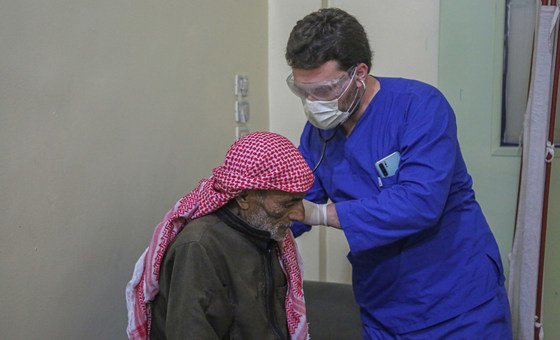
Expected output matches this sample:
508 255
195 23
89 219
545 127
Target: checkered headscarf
261 160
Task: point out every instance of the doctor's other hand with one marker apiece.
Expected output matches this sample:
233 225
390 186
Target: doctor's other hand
320 214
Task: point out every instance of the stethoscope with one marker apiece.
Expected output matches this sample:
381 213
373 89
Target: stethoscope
325 141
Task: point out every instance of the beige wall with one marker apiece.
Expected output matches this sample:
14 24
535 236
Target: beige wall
109 111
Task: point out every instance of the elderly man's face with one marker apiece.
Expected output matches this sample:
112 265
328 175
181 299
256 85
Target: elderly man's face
273 211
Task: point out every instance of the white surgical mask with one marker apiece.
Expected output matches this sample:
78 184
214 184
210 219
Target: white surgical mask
326 114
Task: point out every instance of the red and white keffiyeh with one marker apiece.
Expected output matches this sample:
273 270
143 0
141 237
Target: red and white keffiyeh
260 160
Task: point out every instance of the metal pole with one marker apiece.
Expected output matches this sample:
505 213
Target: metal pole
552 120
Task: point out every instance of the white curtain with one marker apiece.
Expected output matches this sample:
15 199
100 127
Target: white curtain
524 258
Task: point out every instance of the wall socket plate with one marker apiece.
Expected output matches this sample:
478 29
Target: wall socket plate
241 85
242 111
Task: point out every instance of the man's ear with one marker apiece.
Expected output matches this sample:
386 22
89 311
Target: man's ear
362 71
243 200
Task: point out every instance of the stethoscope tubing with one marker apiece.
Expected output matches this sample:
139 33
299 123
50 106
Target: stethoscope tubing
325 141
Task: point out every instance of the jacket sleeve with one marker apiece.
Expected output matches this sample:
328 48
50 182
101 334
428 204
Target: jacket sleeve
416 199
197 305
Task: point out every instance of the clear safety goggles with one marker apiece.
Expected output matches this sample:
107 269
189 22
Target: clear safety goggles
323 90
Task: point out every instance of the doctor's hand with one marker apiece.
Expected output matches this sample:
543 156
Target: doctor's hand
320 214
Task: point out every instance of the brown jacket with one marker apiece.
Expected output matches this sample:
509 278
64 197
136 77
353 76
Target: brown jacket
220 279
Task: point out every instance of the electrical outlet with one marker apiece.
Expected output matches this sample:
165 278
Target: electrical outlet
241 111
241 85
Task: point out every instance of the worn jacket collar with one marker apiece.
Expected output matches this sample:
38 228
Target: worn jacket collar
261 238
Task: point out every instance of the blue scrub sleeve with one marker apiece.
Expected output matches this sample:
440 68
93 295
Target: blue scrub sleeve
416 199
299 228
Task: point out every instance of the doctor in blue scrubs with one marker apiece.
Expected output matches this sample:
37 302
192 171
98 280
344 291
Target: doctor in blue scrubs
425 264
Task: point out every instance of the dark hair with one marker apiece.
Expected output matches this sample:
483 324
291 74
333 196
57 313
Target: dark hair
325 35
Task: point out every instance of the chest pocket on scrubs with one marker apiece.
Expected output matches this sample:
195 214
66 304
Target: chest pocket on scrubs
386 182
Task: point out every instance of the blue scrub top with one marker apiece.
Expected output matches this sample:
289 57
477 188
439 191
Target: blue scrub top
420 248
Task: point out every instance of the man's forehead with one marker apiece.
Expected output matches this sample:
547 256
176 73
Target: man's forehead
327 71
284 195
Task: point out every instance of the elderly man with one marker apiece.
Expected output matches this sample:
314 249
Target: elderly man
223 262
